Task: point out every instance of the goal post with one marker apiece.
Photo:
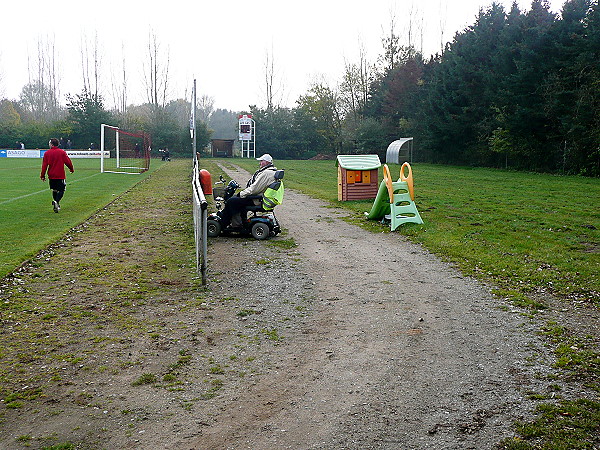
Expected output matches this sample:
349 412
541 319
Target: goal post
123 151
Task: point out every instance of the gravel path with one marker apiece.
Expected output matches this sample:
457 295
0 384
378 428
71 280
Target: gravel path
399 350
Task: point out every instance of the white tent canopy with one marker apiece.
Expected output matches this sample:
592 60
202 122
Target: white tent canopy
400 149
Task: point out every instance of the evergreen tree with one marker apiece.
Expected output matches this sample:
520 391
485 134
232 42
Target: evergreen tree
456 114
391 102
523 99
278 134
572 91
86 113
224 124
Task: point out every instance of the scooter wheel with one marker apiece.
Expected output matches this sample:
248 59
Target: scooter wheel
260 231
213 228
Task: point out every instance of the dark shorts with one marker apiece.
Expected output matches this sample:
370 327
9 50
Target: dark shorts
58 185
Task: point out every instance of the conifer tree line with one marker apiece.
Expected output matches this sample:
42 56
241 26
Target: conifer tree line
516 89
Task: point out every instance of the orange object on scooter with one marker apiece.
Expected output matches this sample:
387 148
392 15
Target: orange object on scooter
205 181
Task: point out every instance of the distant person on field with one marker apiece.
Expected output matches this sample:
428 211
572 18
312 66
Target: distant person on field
55 161
22 146
69 144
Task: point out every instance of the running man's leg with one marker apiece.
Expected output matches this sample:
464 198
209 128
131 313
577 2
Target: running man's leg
58 190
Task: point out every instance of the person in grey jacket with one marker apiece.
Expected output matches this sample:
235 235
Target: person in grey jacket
256 185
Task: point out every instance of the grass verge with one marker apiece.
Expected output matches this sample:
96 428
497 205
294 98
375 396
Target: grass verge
27 220
97 295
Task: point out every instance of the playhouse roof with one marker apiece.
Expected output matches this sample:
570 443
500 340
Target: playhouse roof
359 162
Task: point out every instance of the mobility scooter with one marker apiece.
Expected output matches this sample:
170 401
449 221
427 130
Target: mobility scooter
256 220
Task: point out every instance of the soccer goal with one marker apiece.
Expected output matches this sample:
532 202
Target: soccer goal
123 151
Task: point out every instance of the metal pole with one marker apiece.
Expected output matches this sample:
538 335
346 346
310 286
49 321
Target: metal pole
118 150
194 119
102 148
253 140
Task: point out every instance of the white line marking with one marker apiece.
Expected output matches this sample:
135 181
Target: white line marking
45 190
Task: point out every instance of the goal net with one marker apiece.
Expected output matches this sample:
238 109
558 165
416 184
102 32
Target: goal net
123 151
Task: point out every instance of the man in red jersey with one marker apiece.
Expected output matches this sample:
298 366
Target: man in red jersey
55 161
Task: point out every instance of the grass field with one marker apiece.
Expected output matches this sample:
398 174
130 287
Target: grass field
527 233
27 221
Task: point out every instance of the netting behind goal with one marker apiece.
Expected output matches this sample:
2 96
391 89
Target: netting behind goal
123 151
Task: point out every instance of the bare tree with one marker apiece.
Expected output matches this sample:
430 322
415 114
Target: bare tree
273 92
415 27
269 77
354 88
119 86
365 77
40 96
53 74
394 53
442 24
205 106
156 73
91 61
391 46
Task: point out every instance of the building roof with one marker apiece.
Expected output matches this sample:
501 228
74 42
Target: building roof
359 162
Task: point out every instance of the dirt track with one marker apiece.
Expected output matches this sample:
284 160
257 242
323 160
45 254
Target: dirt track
349 340
400 350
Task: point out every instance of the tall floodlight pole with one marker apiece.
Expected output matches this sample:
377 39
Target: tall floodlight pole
193 120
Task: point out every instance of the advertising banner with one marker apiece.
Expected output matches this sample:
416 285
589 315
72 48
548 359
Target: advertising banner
87 153
6 153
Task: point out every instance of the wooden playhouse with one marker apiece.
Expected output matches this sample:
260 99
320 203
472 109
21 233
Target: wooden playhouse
358 176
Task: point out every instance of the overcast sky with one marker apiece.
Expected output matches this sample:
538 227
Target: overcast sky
223 44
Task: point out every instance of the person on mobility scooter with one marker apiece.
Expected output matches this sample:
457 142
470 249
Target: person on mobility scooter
263 192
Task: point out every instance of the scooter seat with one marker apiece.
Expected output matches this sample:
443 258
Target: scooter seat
255 208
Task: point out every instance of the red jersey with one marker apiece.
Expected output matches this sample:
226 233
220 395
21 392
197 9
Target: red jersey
55 161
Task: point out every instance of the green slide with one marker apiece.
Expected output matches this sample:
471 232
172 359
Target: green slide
381 205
